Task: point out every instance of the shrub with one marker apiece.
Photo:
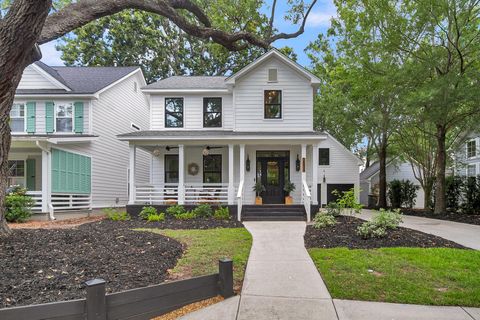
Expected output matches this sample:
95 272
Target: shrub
333 209
395 193
18 205
155 217
471 196
348 200
203 210
369 230
222 213
185 215
454 188
402 193
175 210
146 212
381 222
323 220
116 215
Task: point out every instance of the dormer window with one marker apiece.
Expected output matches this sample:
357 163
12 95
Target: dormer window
272 75
273 104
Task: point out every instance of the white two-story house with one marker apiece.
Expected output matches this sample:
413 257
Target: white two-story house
467 157
213 138
64 123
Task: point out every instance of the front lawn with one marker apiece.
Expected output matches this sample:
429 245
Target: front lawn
205 247
433 276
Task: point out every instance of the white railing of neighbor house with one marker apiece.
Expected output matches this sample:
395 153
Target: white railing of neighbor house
240 200
206 193
306 198
156 194
37 197
67 201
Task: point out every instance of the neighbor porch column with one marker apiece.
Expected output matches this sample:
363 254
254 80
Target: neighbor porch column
45 181
242 163
303 163
314 173
231 185
131 182
181 174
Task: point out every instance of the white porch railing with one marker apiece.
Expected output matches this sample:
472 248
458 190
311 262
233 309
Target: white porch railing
306 198
240 200
156 194
195 193
67 201
37 197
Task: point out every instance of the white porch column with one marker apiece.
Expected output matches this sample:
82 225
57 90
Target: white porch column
131 182
46 194
242 162
303 163
231 185
314 173
181 174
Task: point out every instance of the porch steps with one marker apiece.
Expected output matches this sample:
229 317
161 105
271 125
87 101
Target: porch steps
273 212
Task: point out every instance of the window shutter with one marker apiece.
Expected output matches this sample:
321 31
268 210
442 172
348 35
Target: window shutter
71 172
78 117
31 174
49 117
31 109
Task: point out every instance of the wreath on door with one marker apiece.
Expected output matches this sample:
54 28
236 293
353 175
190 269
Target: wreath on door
193 169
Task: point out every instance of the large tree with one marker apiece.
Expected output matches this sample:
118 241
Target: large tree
26 23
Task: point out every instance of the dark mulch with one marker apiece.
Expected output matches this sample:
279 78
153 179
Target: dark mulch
343 234
450 216
172 223
45 265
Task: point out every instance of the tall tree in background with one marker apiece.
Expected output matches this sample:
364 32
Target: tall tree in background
26 23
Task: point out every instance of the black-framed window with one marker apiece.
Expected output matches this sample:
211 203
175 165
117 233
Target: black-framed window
212 168
272 104
212 112
323 156
171 168
173 112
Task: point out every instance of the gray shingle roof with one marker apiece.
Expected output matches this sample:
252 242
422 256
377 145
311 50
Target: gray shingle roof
189 82
370 171
213 133
81 80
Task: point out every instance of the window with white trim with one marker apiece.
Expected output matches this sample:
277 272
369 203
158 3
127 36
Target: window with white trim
16 173
64 117
17 117
471 148
471 170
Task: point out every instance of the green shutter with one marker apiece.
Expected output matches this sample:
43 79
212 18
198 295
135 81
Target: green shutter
78 117
49 117
31 109
71 172
31 174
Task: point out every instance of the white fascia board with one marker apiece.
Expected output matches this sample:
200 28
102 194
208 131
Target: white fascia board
50 78
120 80
64 140
223 138
185 90
46 96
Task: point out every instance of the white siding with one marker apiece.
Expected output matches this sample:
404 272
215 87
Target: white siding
297 99
462 162
33 79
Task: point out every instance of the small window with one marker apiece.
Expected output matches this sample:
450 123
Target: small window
212 112
171 168
17 117
64 117
134 126
472 170
173 112
272 75
16 173
212 168
273 104
471 149
323 156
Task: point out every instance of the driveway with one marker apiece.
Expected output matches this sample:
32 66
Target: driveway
465 234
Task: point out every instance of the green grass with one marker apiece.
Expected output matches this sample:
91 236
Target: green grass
437 276
206 247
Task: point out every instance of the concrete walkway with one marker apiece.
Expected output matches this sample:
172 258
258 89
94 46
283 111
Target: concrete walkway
281 282
465 234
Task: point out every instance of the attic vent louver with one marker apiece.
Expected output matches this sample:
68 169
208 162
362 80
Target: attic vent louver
272 75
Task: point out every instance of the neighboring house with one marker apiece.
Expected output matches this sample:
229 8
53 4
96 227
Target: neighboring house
213 138
467 157
396 170
64 123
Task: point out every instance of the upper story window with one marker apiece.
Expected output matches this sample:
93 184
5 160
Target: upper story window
272 75
323 156
173 112
273 104
17 117
471 149
212 112
63 117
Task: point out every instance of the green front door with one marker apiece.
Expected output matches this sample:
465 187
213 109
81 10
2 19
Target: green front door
71 172
31 174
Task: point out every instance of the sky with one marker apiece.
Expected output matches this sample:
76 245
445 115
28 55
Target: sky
317 22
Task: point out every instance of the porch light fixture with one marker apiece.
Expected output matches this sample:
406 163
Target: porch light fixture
247 164
206 151
297 164
156 152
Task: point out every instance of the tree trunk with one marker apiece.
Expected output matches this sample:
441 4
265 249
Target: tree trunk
427 201
19 31
382 158
440 201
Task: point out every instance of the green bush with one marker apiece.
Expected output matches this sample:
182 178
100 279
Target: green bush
402 193
471 196
333 209
222 213
370 230
18 206
185 215
147 211
323 220
381 222
348 201
175 210
156 217
454 187
116 215
203 210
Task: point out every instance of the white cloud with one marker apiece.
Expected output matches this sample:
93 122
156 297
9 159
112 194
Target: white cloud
51 56
323 14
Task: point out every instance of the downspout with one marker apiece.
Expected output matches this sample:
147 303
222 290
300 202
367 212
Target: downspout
50 206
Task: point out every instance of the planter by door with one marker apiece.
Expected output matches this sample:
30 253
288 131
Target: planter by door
273 171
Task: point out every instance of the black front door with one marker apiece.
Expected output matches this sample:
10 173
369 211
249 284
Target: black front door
272 172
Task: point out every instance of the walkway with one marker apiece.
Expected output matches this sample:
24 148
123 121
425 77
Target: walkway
281 282
465 234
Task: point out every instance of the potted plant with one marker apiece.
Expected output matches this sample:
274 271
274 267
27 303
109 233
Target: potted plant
258 188
289 188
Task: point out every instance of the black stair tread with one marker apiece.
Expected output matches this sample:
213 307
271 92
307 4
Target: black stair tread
272 218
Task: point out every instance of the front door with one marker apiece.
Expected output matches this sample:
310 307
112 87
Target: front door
272 172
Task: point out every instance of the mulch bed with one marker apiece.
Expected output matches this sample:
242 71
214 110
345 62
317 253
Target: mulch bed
450 216
172 223
343 234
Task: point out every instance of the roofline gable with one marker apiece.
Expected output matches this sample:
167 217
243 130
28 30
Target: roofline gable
49 77
122 79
